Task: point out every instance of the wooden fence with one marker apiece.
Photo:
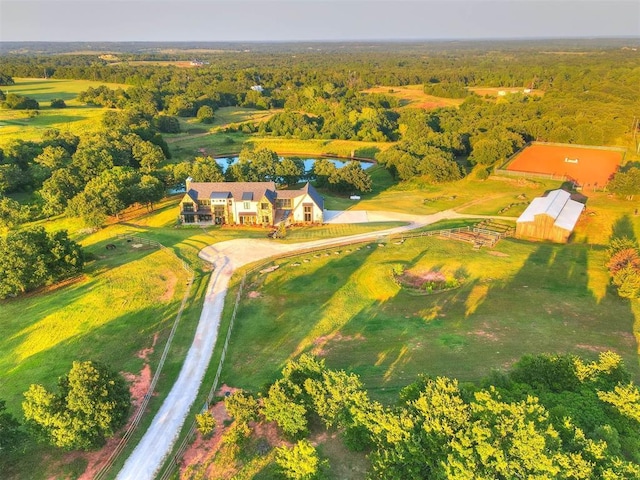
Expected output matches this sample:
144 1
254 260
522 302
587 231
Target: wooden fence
139 413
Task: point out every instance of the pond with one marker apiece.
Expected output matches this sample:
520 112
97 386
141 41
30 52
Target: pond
308 163
308 166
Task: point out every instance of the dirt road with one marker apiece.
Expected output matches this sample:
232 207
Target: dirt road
226 257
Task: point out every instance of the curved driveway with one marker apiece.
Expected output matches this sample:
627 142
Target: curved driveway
157 442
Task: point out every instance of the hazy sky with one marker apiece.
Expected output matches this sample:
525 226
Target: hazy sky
282 20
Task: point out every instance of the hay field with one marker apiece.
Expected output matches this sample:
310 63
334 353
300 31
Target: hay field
413 96
77 117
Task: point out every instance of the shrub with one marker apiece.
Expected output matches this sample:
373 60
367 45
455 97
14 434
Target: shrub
206 423
20 102
58 103
205 114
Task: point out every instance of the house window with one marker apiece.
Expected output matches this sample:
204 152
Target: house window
187 207
266 220
264 206
284 203
308 213
246 205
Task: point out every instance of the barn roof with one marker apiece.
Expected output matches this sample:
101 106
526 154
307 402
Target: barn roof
558 205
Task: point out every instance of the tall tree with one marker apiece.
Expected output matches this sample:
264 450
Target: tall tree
91 403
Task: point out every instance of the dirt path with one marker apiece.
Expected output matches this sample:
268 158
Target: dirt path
226 257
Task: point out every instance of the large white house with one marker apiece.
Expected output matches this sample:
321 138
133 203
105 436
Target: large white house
249 203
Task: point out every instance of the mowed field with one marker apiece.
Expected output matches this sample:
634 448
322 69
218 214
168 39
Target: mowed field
413 96
589 167
345 306
77 117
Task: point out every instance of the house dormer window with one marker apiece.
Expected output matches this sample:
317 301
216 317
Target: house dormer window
246 205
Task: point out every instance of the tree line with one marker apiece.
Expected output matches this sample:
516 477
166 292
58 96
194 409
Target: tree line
549 416
588 99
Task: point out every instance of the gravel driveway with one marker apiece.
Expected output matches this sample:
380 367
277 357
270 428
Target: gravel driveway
157 442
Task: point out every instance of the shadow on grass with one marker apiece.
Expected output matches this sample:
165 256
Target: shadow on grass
549 308
275 327
623 228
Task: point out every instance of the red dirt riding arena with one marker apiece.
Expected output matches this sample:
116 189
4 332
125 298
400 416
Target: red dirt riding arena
588 167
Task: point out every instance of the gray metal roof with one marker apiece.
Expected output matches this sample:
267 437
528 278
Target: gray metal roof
558 205
250 191
220 195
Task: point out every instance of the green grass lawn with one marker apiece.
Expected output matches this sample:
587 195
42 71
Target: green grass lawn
346 307
77 117
186 147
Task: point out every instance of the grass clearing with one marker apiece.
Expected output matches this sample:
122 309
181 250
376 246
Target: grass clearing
495 196
221 143
413 96
348 308
77 117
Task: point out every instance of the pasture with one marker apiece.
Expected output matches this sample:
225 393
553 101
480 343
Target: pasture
77 117
413 96
344 305
186 147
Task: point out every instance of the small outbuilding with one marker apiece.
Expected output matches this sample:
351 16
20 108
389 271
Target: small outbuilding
552 217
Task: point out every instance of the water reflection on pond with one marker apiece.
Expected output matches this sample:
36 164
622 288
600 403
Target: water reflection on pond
308 162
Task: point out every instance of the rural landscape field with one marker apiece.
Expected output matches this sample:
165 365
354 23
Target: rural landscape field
423 337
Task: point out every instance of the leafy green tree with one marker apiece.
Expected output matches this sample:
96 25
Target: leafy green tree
58 189
290 170
149 191
279 407
53 157
93 156
353 177
91 403
300 462
14 101
439 166
205 114
626 183
32 258
242 406
12 213
166 124
11 178
203 169
627 280
259 165
205 422
624 267
625 398
148 155
106 195
621 243
325 172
